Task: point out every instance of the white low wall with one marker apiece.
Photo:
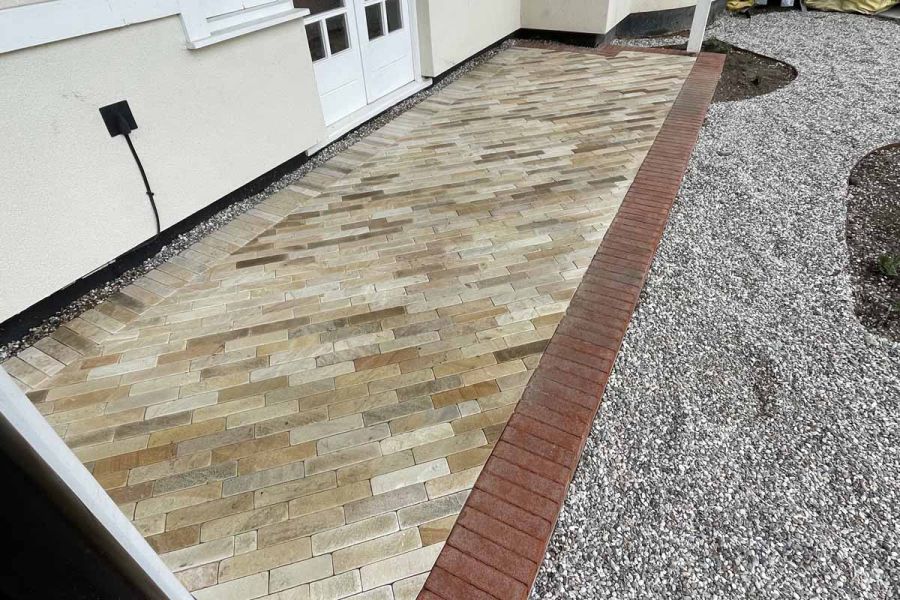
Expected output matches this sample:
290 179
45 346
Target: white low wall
210 121
622 8
450 31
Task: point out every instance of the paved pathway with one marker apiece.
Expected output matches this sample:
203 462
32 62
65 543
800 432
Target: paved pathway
305 416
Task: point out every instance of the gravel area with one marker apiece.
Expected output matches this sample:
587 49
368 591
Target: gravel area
223 217
749 441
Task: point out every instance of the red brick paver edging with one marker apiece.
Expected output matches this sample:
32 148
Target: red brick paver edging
497 545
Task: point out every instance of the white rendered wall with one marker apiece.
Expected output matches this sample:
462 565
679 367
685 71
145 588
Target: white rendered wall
451 31
584 16
588 16
210 121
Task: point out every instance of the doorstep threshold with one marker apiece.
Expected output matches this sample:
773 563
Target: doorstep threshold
368 112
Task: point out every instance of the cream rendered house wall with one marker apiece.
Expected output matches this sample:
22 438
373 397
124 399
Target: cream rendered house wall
450 31
210 121
588 16
584 16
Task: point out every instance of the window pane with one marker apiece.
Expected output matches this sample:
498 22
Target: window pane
394 19
318 6
337 33
373 21
316 43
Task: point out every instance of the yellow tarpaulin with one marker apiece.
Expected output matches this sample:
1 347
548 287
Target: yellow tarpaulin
866 7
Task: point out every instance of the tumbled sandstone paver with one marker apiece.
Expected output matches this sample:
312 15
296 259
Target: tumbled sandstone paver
306 413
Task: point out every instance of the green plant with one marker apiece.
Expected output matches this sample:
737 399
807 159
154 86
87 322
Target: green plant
889 265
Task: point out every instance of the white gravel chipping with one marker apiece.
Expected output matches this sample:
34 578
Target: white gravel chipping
749 441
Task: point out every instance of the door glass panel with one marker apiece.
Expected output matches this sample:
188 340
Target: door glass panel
338 39
394 18
373 21
318 6
316 43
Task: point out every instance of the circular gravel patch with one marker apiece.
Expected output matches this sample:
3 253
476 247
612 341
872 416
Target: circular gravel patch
749 441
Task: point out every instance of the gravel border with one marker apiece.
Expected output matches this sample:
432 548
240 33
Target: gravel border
225 216
749 441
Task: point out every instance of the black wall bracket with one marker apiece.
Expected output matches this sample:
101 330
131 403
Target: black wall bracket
118 118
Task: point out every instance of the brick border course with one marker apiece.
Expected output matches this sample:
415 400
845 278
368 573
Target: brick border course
500 538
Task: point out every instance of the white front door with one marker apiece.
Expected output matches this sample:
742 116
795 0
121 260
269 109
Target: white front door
337 60
361 51
384 29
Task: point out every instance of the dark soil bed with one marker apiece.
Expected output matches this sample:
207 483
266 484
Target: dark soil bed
873 238
746 74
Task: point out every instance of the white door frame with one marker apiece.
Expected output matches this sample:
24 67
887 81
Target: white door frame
43 454
350 122
342 74
388 58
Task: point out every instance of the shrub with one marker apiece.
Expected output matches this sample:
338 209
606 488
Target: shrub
889 265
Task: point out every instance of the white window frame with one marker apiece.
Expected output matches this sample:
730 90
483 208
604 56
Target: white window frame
319 19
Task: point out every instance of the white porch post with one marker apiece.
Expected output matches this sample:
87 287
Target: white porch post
698 27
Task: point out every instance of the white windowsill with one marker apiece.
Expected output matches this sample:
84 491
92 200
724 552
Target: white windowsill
229 33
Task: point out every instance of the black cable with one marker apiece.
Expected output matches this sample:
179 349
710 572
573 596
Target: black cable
137 159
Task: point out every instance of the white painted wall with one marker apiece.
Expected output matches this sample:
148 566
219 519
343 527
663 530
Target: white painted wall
450 31
588 16
584 16
12 3
210 120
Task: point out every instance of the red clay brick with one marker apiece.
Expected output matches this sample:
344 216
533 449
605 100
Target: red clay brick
450 587
531 462
539 447
554 419
610 342
575 344
560 405
552 490
518 496
480 575
590 373
570 394
507 524
510 536
580 306
545 432
472 544
573 381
